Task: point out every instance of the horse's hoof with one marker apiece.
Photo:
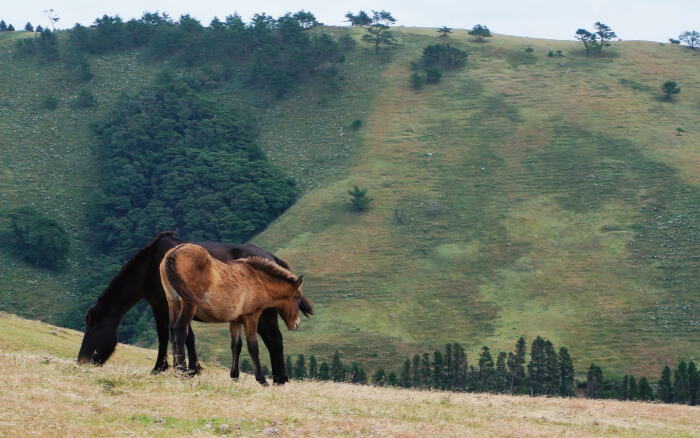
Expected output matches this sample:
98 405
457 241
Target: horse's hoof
280 380
263 383
158 370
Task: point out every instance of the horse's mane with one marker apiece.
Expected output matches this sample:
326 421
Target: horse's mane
116 281
271 268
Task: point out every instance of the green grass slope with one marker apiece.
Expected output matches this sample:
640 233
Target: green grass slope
523 195
47 161
539 196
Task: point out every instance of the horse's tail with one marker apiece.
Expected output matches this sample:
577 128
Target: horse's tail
176 283
306 307
281 262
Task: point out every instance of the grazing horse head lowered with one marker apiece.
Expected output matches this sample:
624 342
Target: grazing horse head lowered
100 340
199 286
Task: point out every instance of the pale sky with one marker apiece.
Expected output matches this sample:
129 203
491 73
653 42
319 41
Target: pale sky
650 20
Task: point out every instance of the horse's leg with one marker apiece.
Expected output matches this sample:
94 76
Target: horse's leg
250 324
269 331
192 362
236 345
161 316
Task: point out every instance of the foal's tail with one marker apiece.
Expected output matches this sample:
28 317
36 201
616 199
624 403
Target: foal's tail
174 279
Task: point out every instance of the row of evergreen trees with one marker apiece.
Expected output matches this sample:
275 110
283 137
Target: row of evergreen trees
547 373
683 388
4 27
272 53
544 371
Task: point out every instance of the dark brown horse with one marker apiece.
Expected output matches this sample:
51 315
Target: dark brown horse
139 279
200 286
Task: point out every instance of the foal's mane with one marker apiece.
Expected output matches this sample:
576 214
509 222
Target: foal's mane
271 268
275 270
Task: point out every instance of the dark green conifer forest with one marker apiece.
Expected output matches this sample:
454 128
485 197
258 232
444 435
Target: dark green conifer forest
548 374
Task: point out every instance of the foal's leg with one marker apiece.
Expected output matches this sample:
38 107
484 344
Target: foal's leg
174 312
178 331
193 364
250 324
236 345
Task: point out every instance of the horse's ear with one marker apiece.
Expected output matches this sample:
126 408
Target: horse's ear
299 280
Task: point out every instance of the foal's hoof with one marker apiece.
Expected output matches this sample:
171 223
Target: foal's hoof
263 383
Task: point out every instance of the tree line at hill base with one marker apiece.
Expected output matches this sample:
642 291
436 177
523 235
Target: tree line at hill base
543 371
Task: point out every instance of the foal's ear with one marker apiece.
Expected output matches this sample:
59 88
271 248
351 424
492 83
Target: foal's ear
299 280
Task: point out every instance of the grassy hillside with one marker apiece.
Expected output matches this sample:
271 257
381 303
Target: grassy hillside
540 195
47 161
45 393
523 195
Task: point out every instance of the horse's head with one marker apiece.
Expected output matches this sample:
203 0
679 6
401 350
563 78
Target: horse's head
100 337
289 311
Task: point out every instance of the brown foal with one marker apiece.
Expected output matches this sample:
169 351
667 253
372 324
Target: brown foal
199 286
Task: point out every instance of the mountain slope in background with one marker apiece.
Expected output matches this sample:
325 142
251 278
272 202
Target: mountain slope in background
523 195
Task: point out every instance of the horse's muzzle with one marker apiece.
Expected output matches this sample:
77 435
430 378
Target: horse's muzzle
94 360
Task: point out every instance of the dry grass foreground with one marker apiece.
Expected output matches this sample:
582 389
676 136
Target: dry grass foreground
44 393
